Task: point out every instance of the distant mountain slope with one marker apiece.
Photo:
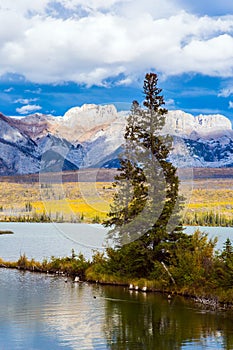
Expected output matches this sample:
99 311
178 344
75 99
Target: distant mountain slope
18 153
92 136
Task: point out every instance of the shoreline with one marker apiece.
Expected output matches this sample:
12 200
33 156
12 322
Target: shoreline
6 232
202 300
91 221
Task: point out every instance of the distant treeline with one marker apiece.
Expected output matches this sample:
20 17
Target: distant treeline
43 217
195 219
34 217
208 219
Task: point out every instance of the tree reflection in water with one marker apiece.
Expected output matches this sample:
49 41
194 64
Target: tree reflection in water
151 321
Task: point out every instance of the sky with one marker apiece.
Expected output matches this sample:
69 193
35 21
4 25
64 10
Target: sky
58 54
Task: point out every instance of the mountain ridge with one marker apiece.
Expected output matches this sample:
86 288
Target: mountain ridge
93 135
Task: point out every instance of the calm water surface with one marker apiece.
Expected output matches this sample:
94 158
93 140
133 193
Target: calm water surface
40 312
41 241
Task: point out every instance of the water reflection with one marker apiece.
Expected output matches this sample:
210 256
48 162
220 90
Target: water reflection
79 317
41 312
148 321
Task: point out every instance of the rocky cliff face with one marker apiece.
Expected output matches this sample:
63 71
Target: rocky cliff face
18 153
185 124
92 135
82 124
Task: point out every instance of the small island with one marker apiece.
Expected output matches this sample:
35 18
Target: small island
6 232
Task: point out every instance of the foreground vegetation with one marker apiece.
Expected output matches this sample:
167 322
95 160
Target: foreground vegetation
191 267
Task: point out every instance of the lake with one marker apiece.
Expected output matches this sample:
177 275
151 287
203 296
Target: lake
41 241
40 312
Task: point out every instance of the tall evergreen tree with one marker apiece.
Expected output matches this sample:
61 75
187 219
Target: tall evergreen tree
132 191
146 204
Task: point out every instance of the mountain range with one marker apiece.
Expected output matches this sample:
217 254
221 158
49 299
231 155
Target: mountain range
93 135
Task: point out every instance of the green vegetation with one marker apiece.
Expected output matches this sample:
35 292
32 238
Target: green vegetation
70 266
30 218
152 250
145 209
192 268
208 219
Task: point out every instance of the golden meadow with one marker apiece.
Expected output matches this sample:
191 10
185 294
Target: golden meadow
209 200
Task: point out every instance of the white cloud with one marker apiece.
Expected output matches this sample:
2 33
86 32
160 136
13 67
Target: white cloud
126 81
28 109
113 37
37 91
226 92
170 104
213 57
23 6
24 101
9 89
230 104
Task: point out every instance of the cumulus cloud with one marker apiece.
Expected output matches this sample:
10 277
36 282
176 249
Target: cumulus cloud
111 39
230 104
126 81
28 109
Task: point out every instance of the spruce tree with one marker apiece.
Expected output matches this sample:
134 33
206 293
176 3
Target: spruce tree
131 195
146 205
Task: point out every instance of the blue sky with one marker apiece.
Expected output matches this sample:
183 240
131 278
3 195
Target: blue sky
58 54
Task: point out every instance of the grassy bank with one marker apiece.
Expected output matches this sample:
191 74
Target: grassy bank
209 289
216 298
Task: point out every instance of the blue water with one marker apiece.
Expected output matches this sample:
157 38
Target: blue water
222 233
40 241
40 312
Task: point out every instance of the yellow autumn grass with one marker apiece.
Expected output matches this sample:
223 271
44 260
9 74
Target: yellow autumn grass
75 208
89 200
214 196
